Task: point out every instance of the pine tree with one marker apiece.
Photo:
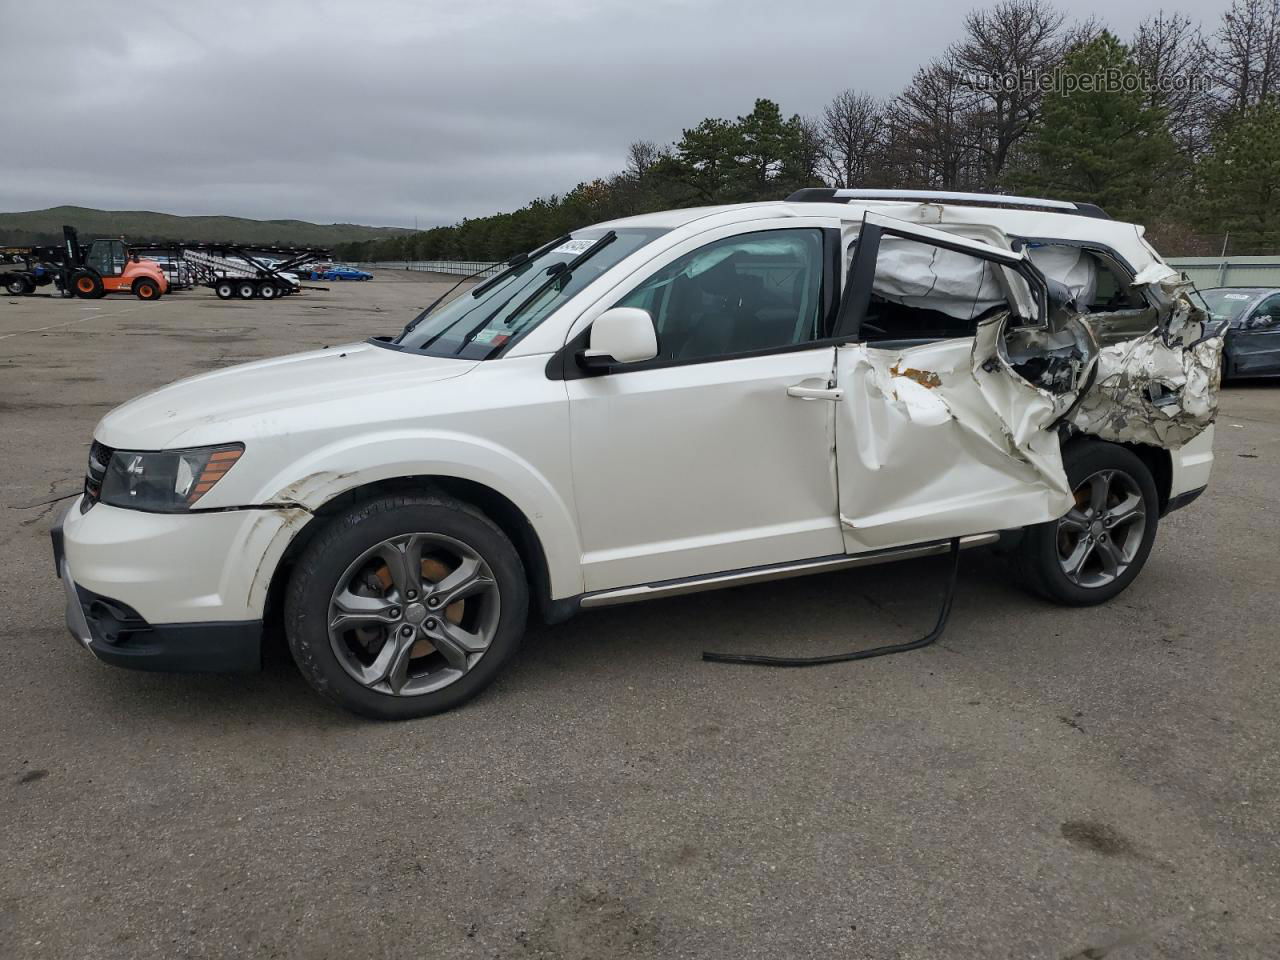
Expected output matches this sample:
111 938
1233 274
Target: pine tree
1239 181
1102 142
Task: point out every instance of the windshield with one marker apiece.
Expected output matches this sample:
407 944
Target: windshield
1229 304
483 320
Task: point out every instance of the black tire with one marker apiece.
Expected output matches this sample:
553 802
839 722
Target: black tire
144 288
225 289
350 534
1039 560
246 289
87 285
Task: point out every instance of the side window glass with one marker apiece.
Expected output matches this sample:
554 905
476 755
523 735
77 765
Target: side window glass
751 292
923 292
1267 313
100 257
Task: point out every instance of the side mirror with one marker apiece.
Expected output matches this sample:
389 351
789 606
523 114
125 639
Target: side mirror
620 335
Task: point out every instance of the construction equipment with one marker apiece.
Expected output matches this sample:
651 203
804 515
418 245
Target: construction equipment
108 266
104 266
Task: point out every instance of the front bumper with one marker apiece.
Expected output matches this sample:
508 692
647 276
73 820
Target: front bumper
117 634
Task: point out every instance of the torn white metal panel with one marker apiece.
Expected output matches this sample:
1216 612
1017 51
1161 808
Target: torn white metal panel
1160 388
1160 273
943 440
1149 392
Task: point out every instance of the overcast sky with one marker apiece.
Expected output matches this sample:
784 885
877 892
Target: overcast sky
381 113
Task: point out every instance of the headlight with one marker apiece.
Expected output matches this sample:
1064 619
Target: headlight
166 481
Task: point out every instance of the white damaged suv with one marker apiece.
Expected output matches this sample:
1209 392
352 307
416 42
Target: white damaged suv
672 402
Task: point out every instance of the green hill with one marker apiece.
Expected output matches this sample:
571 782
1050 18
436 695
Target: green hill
45 226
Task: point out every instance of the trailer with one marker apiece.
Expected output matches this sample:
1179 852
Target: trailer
25 269
234 270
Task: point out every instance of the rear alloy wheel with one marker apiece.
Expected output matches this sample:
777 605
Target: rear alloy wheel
1100 537
1097 549
246 289
406 606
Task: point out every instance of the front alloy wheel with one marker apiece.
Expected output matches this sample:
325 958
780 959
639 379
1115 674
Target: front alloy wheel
413 614
405 605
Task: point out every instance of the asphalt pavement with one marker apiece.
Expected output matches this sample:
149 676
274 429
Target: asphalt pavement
1043 783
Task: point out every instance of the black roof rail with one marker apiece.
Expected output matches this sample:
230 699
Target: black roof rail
999 200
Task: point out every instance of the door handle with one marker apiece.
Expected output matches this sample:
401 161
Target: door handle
802 392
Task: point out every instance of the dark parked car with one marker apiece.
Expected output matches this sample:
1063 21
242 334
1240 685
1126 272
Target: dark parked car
1253 338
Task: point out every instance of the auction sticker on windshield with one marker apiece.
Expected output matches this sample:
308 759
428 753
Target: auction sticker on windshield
573 247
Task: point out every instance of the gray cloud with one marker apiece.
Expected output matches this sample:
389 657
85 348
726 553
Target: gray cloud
383 112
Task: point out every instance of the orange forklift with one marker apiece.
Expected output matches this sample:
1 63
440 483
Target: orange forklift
108 266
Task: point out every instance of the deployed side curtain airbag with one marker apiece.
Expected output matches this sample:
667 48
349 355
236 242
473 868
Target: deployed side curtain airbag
926 277
1074 268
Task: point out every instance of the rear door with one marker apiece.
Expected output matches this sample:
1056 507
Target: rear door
938 434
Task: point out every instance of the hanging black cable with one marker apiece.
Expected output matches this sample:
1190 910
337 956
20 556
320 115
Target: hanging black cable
934 635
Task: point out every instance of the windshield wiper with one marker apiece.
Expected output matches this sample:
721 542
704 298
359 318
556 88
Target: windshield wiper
508 266
554 272
514 262
560 276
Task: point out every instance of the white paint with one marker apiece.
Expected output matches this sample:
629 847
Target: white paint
644 475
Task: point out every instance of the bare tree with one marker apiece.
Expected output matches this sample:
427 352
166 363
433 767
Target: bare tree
1168 49
804 162
641 156
1244 53
1005 50
932 132
852 136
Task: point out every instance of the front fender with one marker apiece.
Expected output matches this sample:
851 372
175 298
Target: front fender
327 472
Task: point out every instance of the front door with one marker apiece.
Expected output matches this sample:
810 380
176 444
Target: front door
937 436
1255 346
714 456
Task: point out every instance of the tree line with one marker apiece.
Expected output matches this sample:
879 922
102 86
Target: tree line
1183 136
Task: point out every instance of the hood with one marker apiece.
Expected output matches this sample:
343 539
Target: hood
265 398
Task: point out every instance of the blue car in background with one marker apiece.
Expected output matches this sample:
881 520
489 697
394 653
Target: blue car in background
340 273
